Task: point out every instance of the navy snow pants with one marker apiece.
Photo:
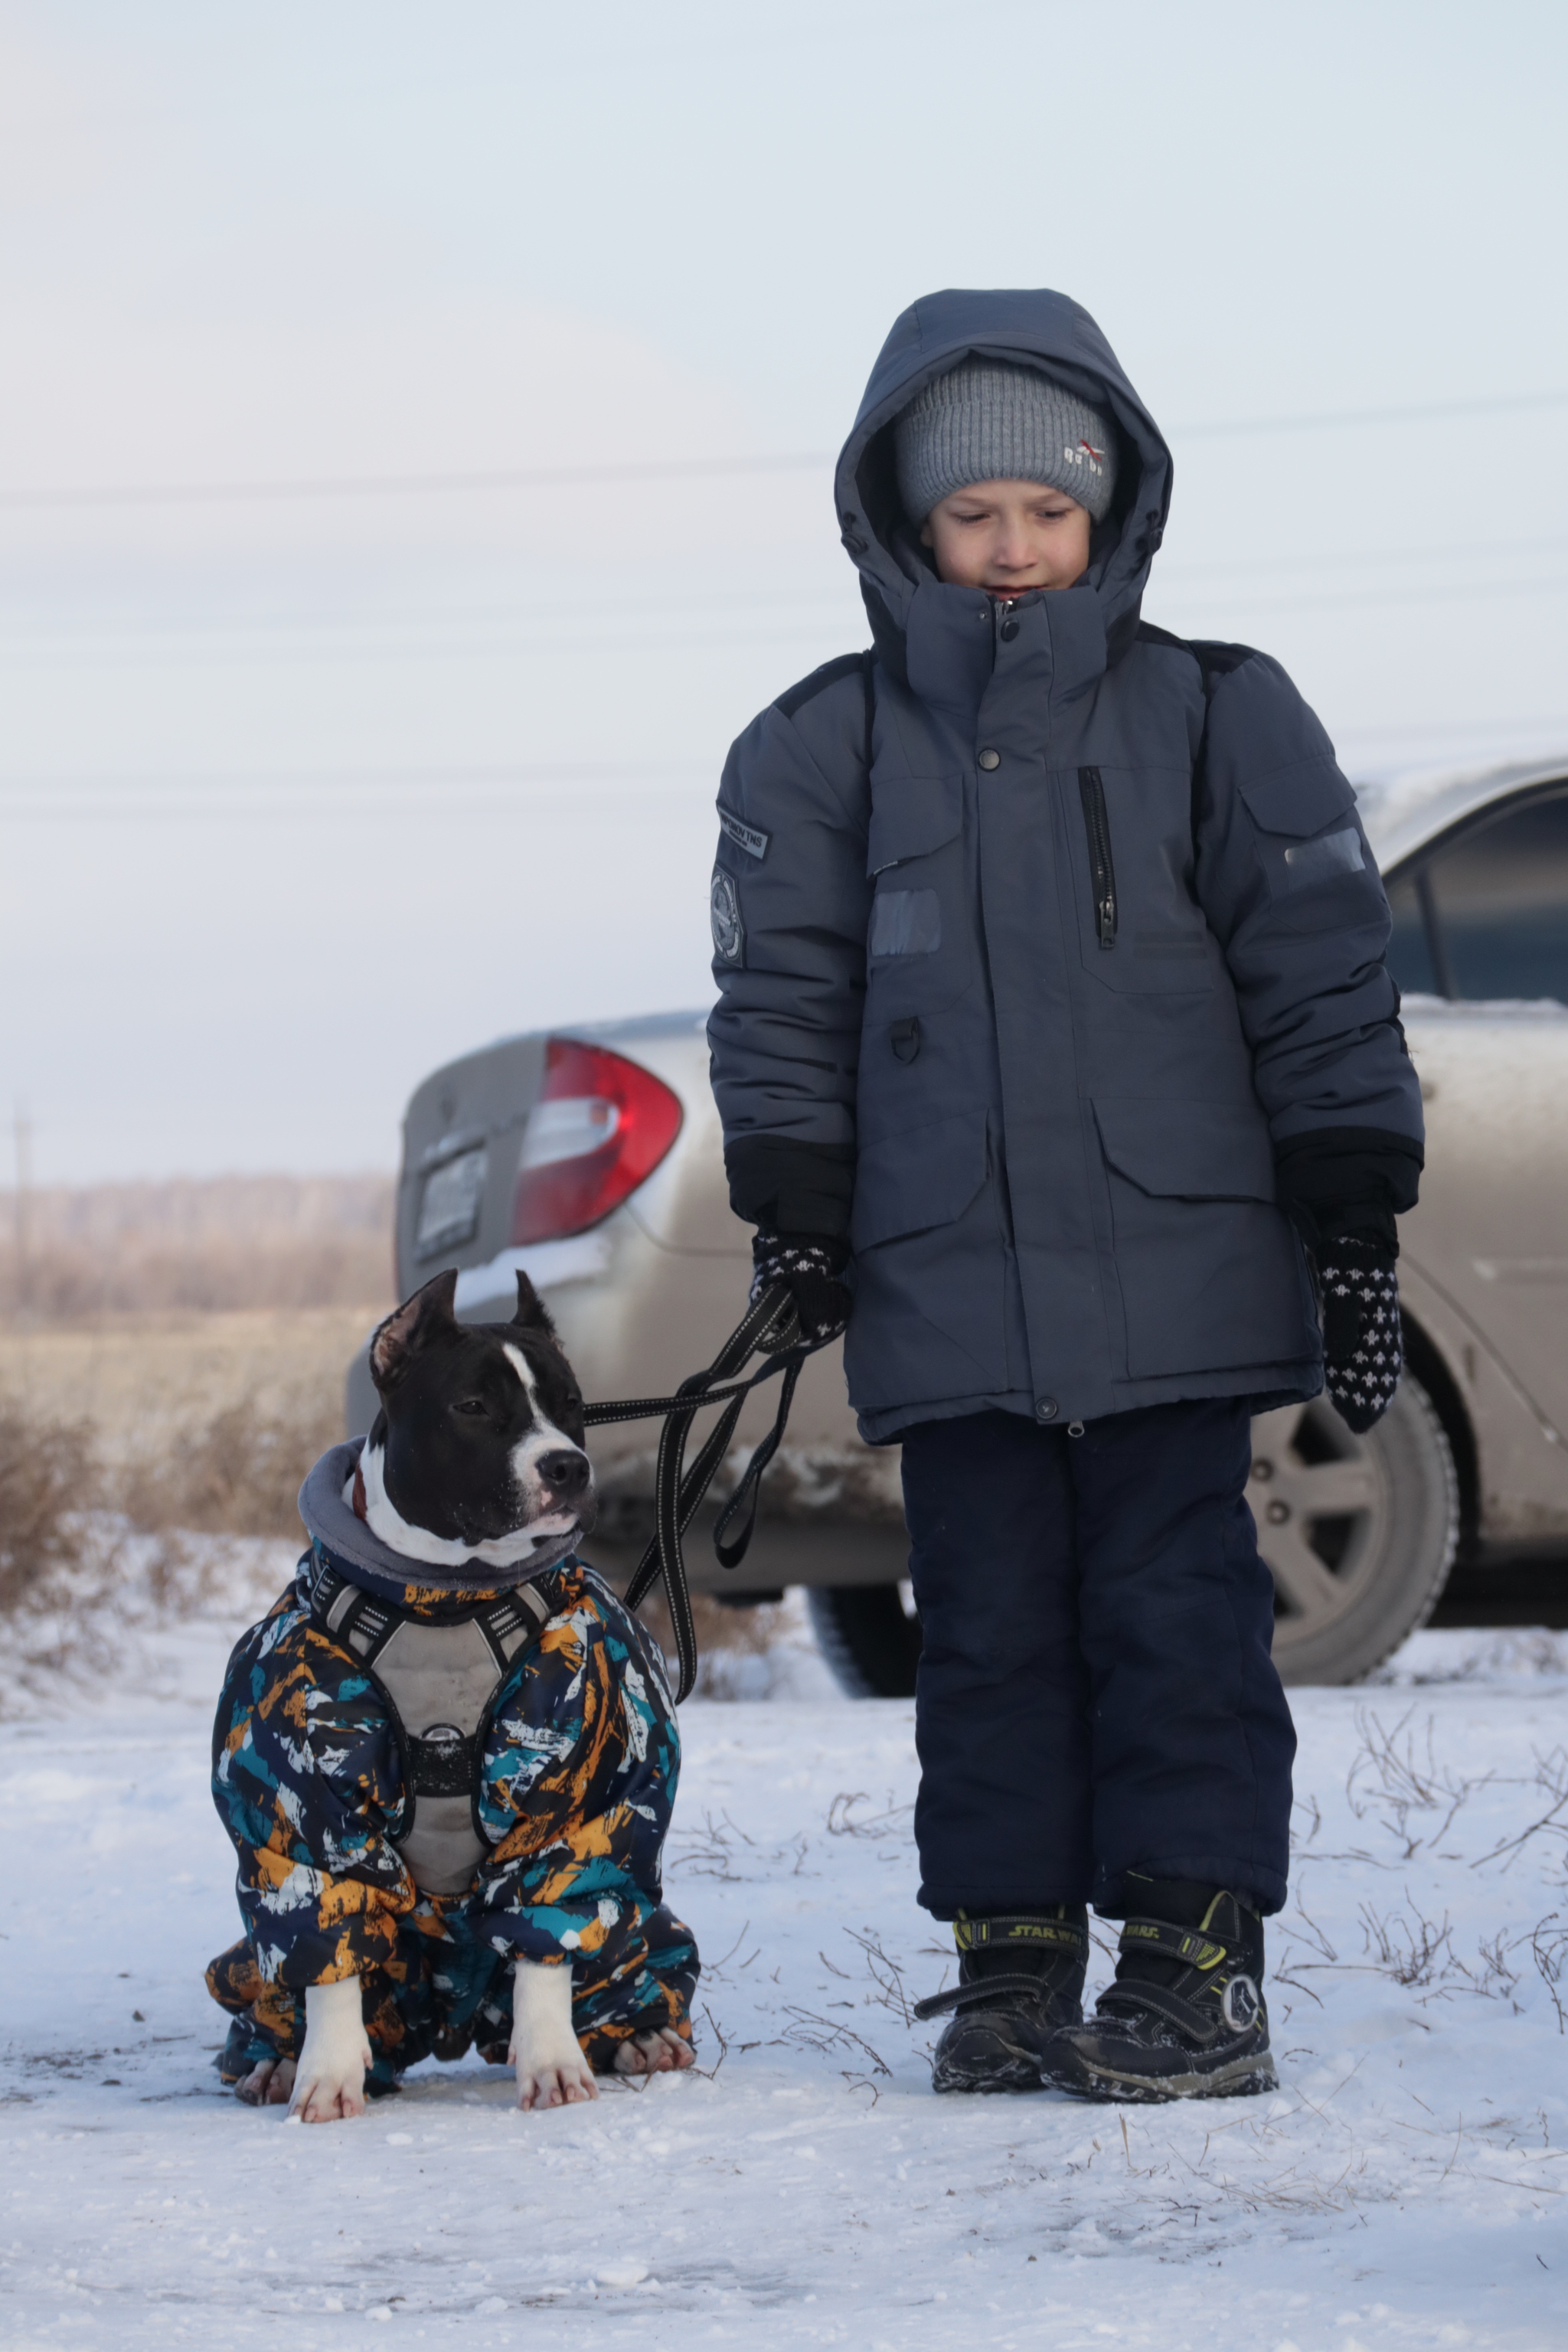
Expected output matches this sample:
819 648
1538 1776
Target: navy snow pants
1096 1692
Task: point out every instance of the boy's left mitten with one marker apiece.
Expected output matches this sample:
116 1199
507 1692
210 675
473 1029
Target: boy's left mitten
1363 1358
811 1265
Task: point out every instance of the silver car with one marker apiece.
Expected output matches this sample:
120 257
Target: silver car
591 1157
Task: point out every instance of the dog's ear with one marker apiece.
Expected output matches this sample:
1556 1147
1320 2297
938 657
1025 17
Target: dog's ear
532 1315
411 1327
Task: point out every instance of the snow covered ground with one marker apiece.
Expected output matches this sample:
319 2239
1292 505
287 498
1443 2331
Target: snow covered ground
1408 2186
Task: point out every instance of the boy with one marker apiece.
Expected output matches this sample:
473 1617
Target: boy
1056 1057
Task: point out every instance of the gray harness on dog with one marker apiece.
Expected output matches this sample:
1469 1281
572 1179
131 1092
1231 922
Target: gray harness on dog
438 1682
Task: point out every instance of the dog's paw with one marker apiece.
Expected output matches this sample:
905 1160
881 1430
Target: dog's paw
655 2054
554 2083
322 2095
329 2083
269 2084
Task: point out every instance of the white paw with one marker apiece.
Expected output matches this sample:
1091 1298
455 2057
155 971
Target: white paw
552 2071
269 2084
329 2082
655 2054
554 2082
328 2095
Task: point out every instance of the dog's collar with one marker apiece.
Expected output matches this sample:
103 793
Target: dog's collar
361 1556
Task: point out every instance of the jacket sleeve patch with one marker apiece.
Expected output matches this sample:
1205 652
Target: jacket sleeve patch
744 836
725 910
1319 861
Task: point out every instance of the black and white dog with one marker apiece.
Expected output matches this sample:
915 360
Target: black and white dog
472 1455
473 1481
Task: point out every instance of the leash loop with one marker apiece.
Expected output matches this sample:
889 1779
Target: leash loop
771 1323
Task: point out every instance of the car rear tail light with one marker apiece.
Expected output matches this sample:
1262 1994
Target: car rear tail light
600 1125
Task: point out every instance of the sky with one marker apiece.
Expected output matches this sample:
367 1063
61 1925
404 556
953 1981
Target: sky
320 766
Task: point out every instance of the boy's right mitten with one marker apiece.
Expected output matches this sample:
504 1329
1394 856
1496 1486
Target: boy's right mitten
810 1264
1363 1356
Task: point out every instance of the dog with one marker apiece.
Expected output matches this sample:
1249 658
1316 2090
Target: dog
447 1745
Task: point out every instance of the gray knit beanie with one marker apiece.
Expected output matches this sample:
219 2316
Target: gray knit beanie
991 422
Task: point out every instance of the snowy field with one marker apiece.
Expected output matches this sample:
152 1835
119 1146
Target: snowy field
1405 2188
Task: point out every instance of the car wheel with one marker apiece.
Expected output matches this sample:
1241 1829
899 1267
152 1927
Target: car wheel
1358 1533
869 1635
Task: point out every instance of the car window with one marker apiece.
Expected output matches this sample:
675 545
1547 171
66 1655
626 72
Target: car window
1485 915
1500 894
1409 950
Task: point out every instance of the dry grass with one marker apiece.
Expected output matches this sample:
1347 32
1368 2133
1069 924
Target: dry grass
201 1246
175 1352
177 1470
204 1424
126 1393
238 1473
145 1380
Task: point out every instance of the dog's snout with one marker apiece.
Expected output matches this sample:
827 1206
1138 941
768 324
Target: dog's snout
565 1473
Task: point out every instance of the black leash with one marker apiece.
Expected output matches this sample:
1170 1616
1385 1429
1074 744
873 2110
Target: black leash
679 1489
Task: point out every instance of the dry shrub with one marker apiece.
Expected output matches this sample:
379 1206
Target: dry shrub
238 1473
48 1482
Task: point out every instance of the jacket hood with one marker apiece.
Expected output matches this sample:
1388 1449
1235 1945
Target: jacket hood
1032 328
354 1548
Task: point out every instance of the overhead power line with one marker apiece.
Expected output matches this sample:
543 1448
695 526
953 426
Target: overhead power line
674 469
418 486
342 649
280 632
1326 420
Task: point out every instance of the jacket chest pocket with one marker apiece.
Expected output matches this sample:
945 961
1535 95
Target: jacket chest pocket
920 945
1139 928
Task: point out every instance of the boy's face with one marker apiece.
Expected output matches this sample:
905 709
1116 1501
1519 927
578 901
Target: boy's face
1008 537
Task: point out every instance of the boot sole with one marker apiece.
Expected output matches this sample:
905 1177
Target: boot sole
988 2058
1016 2076
1242 2078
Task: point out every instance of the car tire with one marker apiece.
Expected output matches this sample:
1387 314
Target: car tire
1359 1534
869 1635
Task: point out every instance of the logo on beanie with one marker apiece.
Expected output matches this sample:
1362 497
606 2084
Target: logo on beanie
1086 454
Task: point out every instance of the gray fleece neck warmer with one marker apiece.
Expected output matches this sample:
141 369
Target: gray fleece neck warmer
987 421
332 1521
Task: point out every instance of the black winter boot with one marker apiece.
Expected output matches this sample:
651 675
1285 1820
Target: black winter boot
1184 2018
1020 1981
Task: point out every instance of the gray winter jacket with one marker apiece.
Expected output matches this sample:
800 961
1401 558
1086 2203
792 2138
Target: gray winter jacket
1039 941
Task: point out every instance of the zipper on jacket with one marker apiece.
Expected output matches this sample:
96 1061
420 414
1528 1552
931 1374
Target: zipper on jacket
1098 825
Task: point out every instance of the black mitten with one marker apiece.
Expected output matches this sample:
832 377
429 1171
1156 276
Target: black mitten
1363 1358
811 1265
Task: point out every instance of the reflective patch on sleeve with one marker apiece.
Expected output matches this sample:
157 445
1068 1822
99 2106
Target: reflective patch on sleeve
1318 861
724 909
906 922
744 836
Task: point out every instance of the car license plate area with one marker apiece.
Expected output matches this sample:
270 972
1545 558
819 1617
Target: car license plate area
449 1204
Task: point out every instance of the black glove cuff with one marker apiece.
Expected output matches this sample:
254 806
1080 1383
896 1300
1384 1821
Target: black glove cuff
1338 1181
789 1187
